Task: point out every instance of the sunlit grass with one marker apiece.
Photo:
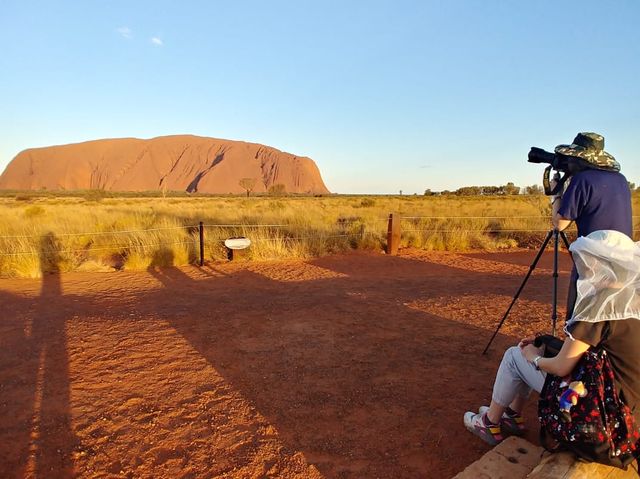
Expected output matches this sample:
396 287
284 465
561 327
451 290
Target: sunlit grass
96 233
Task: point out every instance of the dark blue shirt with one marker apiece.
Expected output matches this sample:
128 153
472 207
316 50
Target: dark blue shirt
598 200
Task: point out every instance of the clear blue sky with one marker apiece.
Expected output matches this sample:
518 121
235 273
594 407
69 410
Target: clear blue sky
383 95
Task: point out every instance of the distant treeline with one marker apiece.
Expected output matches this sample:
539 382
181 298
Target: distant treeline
508 189
276 190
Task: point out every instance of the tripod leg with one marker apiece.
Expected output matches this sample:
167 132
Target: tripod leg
531 268
554 310
571 285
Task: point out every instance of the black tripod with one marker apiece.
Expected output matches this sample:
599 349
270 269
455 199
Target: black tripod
556 235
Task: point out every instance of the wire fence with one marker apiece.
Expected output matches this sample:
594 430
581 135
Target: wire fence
196 236
190 230
49 251
245 225
145 230
470 217
489 226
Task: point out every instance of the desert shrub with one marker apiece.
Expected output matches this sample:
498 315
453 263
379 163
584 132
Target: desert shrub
277 205
371 241
277 190
95 195
33 211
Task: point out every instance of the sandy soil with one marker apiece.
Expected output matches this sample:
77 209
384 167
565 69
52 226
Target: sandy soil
356 366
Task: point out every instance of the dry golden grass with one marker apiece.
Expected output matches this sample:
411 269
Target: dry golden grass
95 233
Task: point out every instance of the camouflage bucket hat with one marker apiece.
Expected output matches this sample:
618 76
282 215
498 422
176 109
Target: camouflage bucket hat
589 147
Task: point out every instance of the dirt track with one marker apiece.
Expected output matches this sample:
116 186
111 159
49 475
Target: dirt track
356 366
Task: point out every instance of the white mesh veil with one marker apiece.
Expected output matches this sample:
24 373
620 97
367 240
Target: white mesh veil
608 264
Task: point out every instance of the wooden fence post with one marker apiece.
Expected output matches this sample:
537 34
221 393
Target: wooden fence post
393 235
201 225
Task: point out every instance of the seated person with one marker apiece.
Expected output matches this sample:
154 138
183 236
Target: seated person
607 312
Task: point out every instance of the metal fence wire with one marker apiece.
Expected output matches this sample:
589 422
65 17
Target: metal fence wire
288 232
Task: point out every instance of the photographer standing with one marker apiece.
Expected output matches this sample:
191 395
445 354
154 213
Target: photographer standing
597 198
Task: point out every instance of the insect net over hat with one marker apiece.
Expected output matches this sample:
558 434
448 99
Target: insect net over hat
608 265
589 147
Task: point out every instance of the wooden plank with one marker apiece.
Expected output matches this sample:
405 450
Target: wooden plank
513 458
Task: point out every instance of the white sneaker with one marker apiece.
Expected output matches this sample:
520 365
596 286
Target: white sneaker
475 422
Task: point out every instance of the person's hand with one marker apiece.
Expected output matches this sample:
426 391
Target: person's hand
554 181
530 352
524 342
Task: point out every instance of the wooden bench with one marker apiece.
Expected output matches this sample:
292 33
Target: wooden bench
566 466
517 458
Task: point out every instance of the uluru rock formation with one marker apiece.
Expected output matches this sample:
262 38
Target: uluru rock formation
169 163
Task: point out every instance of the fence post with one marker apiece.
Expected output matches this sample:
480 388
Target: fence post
393 235
201 227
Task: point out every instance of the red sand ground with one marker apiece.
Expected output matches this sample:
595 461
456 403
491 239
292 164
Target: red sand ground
356 366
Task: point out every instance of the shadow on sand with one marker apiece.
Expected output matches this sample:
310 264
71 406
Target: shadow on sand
37 439
348 374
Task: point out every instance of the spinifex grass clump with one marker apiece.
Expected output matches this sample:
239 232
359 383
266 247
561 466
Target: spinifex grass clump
108 233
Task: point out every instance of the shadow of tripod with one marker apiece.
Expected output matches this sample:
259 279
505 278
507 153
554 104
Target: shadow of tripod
556 234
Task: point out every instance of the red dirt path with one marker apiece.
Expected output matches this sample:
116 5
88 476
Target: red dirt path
355 366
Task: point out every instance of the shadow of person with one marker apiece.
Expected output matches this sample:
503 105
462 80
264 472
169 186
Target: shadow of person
52 440
161 260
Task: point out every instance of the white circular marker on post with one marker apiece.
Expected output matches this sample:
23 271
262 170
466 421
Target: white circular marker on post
235 245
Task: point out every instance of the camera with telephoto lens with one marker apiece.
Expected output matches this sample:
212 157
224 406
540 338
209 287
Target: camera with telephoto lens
556 161
561 163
